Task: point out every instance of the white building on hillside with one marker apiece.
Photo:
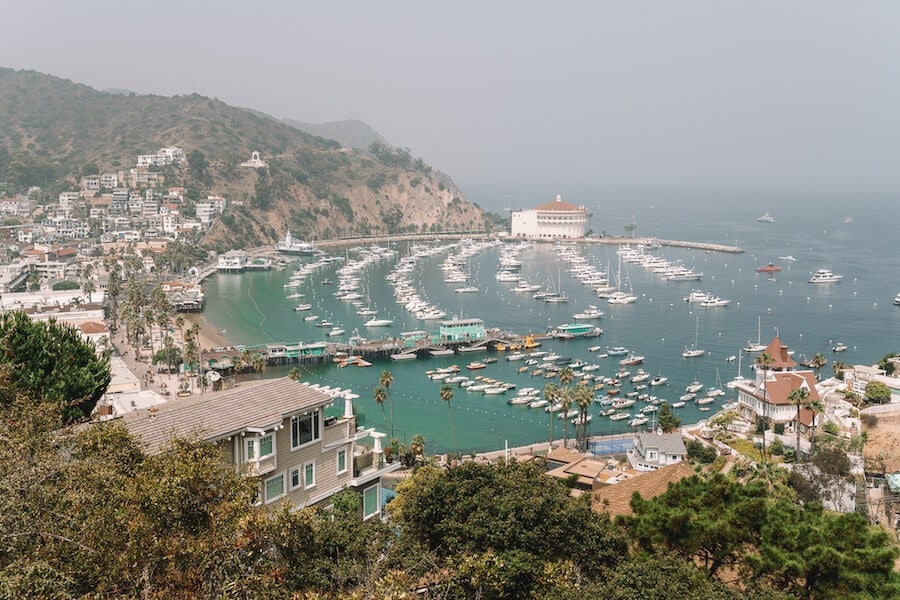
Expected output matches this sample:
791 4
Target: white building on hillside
255 161
553 220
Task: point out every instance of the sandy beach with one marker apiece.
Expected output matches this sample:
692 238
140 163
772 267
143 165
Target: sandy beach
209 337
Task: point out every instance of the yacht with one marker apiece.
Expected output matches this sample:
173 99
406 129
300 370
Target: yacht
621 298
715 302
839 347
765 218
824 276
788 258
848 220
692 352
468 289
376 322
591 312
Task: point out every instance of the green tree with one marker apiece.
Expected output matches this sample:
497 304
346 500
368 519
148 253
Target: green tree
52 363
811 553
446 396
799 396
379 395
552 395
877 392
385 380
668 422
566 376
295 373
582 396
503 523
817 362
709 521
763 361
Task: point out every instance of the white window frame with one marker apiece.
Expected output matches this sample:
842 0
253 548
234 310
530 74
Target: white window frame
376 489
295 474
309 466
316 415
337 461
260 439
266 498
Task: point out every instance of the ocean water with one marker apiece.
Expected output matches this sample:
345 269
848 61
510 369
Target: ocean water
809 318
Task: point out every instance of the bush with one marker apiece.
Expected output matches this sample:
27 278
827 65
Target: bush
777 447
831 428
700 452
779 428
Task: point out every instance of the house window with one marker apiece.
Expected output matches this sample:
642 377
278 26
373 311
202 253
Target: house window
274 488
258 448
304 428
341 460
309 475
266 445
295 478
370 502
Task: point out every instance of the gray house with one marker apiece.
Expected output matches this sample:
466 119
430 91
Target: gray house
655 450
290 436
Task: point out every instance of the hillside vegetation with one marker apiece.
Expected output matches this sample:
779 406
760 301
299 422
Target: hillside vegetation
52 131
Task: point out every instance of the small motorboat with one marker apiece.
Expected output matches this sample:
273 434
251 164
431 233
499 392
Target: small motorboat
839 347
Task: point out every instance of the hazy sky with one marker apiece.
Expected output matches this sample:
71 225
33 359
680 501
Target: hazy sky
792 95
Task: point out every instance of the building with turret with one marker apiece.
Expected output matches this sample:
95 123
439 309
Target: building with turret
550 221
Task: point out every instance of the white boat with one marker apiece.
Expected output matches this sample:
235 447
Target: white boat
698 296
637 421
366 312
311 318
538 403
788 258
442 352
824 276
621 298
693 387
376 322
839 347
715 302
336 331
631 359
302 307
897 299
640 376
659 380
616 351
579 421
703 401
591 312
678 404
468 289
758 346
848 220
619 416
765 218
694 351
404 356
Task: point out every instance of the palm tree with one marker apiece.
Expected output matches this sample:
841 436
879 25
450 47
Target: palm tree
295 373
764 361
817 362
385 380
799 397
566 376
551 395
259 364
816 407
379 395
583 396
447 396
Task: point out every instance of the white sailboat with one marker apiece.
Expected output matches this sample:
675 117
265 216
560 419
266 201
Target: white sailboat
620 297
758 346
740 377
694 351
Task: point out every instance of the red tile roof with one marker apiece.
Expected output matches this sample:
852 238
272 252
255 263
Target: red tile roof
781 360
560 206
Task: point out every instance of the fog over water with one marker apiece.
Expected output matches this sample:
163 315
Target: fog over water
764 100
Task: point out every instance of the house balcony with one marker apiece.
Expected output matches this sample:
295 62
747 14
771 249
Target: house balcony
337 431
369 466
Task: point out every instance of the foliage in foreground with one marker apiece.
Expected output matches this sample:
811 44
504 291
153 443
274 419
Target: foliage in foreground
52 363
84 512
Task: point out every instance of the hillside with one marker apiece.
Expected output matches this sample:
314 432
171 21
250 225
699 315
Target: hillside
351 133
53 130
